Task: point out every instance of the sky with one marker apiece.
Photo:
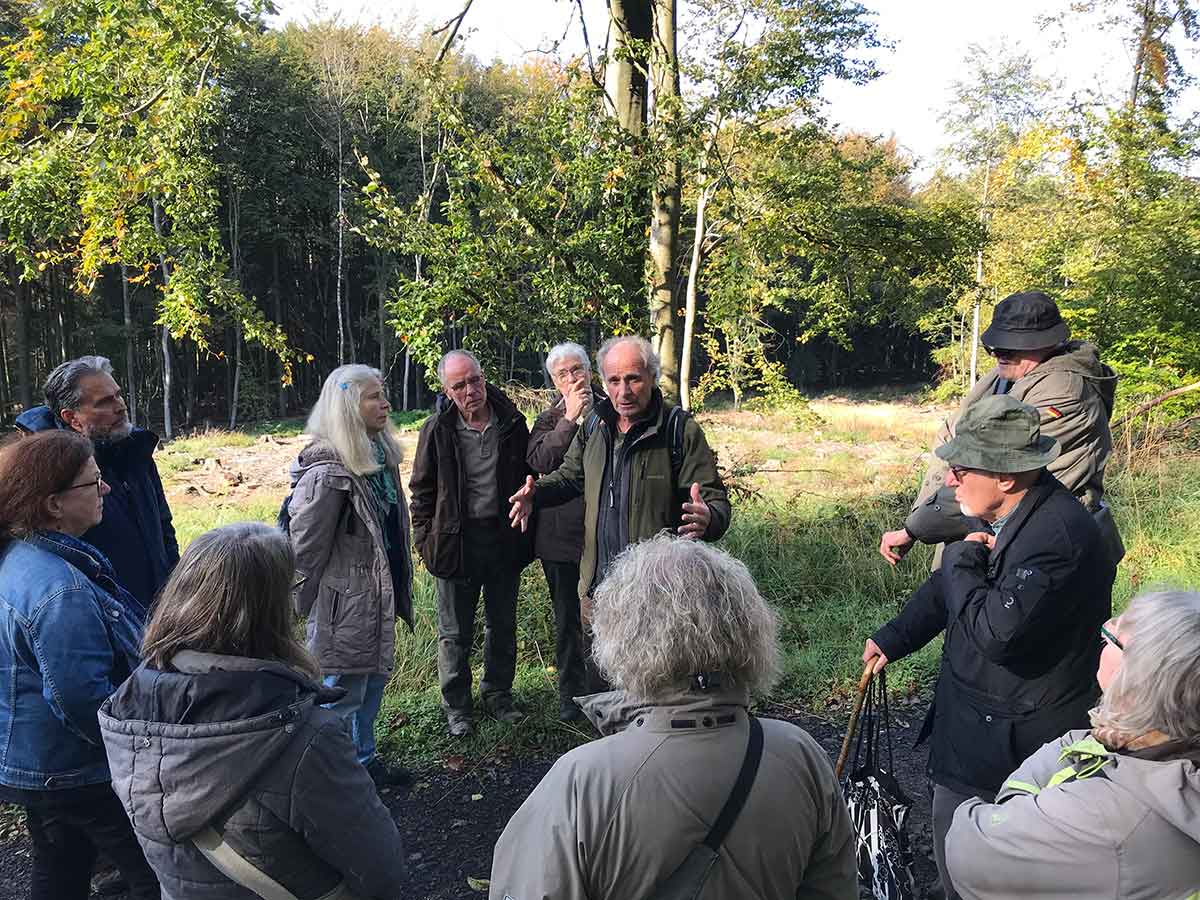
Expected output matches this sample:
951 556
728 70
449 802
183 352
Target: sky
930 38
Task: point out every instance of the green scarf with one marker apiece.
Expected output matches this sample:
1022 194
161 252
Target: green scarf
383 486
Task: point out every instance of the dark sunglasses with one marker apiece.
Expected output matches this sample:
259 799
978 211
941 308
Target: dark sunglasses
1000 352
1106 635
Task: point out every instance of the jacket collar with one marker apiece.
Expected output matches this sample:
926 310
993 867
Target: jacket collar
82 555
682 706
1035 497
650 424
194 662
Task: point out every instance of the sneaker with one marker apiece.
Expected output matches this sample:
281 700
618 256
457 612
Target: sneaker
459 724
503 709
386 776
110 884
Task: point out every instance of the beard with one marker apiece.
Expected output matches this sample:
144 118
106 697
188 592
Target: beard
112 434
967 511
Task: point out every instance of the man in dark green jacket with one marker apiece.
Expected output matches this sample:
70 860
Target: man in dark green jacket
621 462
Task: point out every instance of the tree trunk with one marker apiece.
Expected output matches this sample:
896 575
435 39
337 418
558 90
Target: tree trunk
24 369
1146 12
664 220
130 372
5 377
237 376
689 318
166 335
625 85
341 350
278 298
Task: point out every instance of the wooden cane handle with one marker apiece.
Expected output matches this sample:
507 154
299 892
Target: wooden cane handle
863 681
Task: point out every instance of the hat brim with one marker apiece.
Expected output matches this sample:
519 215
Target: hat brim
1005 339
972 455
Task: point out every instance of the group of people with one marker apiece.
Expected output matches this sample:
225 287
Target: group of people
164 713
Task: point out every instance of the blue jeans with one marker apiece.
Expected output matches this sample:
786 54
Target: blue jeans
360 706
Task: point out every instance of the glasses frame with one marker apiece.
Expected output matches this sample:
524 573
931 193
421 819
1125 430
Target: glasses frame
92 484
470 381
1108 637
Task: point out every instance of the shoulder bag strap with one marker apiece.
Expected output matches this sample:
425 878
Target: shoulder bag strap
237 868
741 788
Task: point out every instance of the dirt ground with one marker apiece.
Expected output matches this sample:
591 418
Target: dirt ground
448 833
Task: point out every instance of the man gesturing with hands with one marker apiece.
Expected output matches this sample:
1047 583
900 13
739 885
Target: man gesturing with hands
640 464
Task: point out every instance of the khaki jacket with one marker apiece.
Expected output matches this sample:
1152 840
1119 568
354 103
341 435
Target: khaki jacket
1074 393
343 581
1119 826
615 817
648 499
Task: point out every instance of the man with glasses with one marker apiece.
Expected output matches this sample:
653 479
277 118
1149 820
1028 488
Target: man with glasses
1019 599
136 533
1073 393
558 539
470 458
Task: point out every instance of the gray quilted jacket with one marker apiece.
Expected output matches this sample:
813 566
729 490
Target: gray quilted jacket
239 745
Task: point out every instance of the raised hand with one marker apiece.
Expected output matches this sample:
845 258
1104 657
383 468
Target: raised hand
522 505
982 537
696 515
578 399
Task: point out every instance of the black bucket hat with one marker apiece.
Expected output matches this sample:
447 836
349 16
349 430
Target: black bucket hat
1026 321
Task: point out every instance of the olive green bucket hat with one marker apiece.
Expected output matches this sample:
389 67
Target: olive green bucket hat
999 434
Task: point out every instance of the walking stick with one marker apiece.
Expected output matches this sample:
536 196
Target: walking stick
854 714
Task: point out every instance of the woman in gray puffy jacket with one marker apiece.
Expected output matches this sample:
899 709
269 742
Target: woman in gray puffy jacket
1113 812
238 783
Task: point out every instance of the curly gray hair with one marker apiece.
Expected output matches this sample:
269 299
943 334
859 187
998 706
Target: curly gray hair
1157 687
670 608
650 360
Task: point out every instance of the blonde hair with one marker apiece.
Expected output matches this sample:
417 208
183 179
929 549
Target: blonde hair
1157 687
230 593
670 608
336 419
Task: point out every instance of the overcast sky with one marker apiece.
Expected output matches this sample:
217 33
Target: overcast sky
930 38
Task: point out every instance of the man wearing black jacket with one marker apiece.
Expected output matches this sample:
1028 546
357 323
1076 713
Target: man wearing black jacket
1020 600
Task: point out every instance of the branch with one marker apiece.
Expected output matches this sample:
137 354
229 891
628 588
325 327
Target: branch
1157 401
452 27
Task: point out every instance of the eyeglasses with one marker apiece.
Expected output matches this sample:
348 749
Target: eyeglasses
1109 637
83 484
572 373
473 381
960 471
1000 352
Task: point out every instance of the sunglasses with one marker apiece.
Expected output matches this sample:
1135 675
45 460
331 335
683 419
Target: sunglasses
1107 636
1000 352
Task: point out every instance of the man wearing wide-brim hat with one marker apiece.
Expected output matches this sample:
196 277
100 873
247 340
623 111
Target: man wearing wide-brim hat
1020 600
1072 391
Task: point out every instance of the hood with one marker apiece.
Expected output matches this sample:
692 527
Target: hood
612 711
1083 359
318 453
186 746
1171 786
38 418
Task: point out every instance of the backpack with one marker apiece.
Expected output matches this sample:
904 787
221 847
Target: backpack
676 419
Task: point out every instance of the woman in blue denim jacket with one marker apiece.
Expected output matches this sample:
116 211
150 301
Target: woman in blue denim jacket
69 635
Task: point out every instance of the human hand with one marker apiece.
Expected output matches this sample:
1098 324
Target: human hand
522 505
871 651
696 515
895 544
982 537
578 399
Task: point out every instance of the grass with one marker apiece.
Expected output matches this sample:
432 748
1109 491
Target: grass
809 539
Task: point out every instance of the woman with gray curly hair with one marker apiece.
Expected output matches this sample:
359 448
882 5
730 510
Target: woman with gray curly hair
1114 812
684 635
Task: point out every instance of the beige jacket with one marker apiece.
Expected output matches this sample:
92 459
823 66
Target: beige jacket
615 817
1074 393
344 583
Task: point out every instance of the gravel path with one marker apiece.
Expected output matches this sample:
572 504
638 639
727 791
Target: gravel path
451 820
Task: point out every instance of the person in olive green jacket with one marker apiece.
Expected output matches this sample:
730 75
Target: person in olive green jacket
621 462
1072 391
683 632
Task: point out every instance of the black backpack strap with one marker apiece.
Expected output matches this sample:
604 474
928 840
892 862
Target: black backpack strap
741 788
676 419
589 425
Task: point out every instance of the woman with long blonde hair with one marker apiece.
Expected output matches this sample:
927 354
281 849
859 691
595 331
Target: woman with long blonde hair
350 529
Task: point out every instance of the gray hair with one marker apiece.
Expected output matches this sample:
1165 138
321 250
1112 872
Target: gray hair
1158 684
465 354
566 349
62 387
670 608
650 360
337 419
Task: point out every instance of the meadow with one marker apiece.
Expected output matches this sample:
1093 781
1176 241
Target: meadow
814 487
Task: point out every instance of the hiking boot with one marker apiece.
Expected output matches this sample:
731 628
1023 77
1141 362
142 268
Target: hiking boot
386 776
503 709
110 884
458 723
569 711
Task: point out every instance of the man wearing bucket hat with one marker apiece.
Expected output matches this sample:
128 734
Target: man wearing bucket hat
1073 394
1020 599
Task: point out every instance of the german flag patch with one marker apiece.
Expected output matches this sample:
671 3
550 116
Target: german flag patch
1054 412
